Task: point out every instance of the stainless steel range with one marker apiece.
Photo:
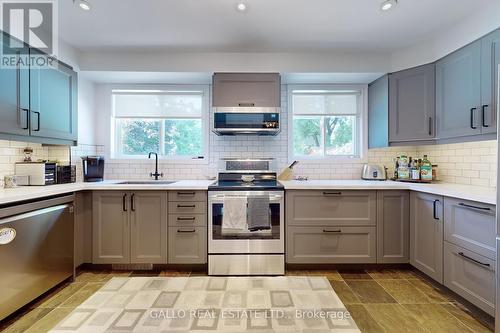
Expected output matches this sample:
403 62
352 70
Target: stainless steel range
246 219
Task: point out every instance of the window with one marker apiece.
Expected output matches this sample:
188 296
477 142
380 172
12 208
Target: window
171 122
325 122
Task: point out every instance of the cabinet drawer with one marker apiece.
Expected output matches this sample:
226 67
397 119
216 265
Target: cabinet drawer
331 245
187 207
471 276
331 207
187 196
187 245
470 225
187 220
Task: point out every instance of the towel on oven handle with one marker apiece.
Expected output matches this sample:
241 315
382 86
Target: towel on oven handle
234 216
258 213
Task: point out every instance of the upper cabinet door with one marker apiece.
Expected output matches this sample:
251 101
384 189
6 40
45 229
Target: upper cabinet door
246 90
490 59
53 102
458 93
14 92
412 104
378 113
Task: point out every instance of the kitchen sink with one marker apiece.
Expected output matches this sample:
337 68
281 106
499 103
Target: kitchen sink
147 182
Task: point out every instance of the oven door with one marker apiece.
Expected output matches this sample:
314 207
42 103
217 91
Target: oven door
262 241
228 123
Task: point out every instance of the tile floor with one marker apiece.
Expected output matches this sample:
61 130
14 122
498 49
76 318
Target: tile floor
391 300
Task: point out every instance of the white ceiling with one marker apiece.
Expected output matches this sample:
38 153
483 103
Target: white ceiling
268 25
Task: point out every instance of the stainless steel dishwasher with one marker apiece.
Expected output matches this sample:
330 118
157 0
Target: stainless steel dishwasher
36 250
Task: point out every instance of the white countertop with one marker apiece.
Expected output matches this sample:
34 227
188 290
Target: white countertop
466 192
23 193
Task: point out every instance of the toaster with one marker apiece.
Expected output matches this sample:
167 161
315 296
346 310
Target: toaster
373 172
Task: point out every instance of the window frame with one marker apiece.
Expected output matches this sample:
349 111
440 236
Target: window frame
361 125
115 133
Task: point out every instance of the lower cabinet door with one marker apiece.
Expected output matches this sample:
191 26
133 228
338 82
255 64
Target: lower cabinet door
470 275
110 227
148 236
187 245
326 245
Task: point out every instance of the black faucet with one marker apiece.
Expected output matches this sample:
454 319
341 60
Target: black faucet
156 174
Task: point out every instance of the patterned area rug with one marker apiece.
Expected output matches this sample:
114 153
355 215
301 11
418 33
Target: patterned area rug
211 304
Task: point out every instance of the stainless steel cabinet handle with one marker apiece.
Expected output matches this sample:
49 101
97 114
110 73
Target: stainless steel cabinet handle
186 206
186 231
132 202
474 207
186 218
124 202
430 125
332 231
473 260
483 114
186 194
434 210
472 118
37 121
332 193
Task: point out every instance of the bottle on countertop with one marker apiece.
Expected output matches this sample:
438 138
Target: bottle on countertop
403 170
415 170
426 169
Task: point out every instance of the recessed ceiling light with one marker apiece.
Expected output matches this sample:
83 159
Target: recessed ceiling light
241 7
388 4
83 4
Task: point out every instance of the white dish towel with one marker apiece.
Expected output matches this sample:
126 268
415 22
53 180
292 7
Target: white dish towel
235 213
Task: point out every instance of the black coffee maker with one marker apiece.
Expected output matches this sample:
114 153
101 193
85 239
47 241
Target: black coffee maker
93 168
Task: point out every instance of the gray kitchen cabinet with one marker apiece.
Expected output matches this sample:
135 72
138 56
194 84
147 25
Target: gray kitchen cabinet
327 245
53 102
412 104
426 234
187 245
470 225
470 275
458 93
14 97
331 208
148 236
378 113
129 227
246 90
393 224
110 227
490 59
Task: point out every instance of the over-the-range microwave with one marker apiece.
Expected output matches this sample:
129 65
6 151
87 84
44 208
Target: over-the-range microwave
251 120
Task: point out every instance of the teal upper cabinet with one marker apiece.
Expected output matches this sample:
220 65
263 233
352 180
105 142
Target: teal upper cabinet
412 104
378 113
458 93
490 59
53 102
38 104
14 98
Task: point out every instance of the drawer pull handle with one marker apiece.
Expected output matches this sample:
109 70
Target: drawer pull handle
474 207
186 206
434 210
332 193
473 260
186 218
186 231
186 193
332 231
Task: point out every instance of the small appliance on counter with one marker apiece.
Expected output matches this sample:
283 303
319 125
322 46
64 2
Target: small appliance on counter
373 172
66 174
36 173
93 168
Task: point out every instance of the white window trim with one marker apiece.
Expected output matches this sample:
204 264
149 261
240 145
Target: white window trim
113 142
362 129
